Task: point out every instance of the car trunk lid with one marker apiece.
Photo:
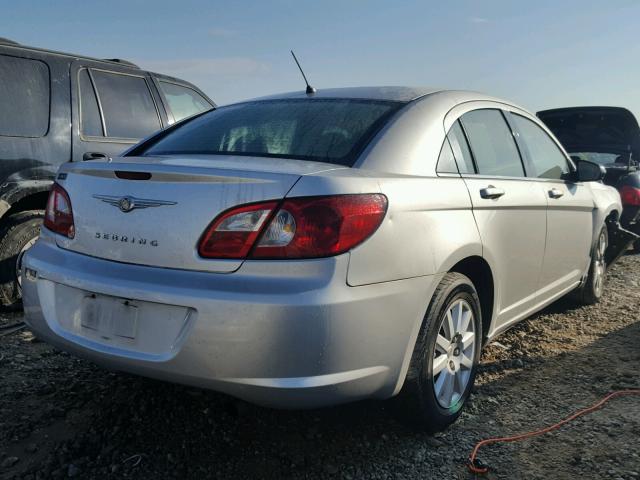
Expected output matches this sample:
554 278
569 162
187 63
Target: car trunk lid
153 211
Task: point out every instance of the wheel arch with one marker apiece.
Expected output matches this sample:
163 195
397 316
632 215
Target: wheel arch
28 195
478 270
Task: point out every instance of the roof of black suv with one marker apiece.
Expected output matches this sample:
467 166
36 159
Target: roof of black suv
5 42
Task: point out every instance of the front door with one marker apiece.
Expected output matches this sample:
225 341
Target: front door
569 212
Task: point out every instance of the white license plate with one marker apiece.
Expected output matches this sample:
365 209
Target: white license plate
109 316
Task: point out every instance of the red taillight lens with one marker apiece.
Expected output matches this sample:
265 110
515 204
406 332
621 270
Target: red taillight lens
321 226
233 233
630 196
305 227
58 216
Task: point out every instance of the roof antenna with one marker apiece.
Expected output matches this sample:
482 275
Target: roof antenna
310 89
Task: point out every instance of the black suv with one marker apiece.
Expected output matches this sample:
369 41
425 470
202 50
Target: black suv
57 107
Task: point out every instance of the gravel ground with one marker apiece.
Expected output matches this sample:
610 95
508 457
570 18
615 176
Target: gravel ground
61 416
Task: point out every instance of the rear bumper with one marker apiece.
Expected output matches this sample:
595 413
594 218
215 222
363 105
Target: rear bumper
283 334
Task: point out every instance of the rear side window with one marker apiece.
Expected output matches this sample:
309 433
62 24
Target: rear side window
460 148
90 123
494 148
24 97
543 154
446 160
323 130
183 101
127 105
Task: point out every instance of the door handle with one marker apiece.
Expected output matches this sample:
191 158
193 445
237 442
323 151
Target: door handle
491 192
93 155
555 193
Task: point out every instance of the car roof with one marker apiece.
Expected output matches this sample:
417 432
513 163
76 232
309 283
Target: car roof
113 61
391 93
387 93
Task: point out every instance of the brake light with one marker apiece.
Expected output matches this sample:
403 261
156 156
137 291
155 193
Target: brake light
321 226
630 196
58 216
304 227
234 232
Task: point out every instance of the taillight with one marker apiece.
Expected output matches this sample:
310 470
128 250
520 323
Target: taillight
630 196
320 226
58 216
304 227
234 232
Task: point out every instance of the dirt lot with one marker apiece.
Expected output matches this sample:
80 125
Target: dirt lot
64 417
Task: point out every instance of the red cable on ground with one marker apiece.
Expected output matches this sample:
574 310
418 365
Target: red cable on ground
476 467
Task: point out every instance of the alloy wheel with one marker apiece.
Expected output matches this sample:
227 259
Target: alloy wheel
454 353
600 266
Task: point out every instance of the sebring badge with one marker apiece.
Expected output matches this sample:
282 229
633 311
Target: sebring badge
126 204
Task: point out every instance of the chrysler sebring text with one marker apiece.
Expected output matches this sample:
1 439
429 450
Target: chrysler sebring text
306 250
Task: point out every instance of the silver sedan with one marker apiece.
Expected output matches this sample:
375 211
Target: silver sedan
310 249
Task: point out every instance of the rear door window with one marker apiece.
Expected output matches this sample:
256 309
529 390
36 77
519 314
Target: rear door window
460 148
182 101
492 143
127 105
24 97
90 122
446 160
544 156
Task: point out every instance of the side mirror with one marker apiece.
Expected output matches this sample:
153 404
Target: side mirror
588 171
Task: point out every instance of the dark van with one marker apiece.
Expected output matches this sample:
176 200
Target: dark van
58 107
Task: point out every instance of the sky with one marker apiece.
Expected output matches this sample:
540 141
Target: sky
541 54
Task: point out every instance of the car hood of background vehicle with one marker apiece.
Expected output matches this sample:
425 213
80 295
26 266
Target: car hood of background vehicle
594 129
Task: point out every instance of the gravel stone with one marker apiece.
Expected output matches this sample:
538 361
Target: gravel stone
75 420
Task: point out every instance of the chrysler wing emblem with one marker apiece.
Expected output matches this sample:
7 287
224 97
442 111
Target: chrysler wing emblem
126 204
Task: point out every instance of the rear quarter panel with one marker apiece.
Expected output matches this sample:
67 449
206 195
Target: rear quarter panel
428 227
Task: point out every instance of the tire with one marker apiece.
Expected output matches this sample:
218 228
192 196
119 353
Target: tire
636 246
424 401
19 233
591 292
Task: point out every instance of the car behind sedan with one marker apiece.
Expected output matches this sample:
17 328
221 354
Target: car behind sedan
609 136
307 250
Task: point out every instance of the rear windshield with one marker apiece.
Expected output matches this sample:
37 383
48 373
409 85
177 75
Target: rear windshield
323 130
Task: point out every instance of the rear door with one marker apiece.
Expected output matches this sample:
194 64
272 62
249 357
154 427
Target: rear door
509 209
113 108
569 212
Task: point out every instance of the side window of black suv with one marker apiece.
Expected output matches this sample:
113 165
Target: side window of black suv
24 97
182 101
116 105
